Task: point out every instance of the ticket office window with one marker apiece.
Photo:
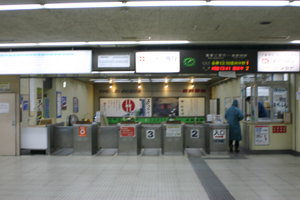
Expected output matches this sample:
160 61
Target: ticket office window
264 103
280 103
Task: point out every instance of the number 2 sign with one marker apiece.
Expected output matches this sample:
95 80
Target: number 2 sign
150 134
195 133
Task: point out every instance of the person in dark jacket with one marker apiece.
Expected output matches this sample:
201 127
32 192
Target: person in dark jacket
234 115
261 109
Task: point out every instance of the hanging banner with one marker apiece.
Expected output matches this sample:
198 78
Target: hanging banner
121 107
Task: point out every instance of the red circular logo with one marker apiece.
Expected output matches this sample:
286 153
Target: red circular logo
128 105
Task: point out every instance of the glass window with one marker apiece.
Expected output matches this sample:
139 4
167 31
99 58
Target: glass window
280 104
263 101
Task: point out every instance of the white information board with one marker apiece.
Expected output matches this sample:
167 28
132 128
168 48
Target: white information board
278 61
46 62
123 107
173 131
191 107
261 135
105 61
157 62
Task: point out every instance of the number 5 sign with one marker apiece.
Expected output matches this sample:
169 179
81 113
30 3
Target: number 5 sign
82 131
195 133
150 134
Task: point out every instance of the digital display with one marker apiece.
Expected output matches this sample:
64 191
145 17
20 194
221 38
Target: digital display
220 61
157 62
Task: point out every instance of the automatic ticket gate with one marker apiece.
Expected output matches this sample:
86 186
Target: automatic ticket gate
216 138
129 138
194 136
85 139
173 138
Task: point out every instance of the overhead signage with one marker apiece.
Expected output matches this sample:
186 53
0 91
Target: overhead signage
227 61
113 61
157 62
46 62
278 61
223 61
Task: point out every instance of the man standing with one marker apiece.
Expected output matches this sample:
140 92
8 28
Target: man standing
261 109
234 115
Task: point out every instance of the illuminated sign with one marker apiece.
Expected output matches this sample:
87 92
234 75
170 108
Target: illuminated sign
222 61
105 61
189 62
278 61
157 62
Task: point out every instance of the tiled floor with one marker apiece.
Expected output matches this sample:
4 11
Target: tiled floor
150 177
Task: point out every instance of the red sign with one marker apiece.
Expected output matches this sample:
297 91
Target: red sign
128 105
193 90
82 131
127 132
279 129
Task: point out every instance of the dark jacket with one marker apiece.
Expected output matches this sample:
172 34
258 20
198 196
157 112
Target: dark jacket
233 115
261 110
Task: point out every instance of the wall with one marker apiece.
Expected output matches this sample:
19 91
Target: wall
15 88
83 91
149 90
226 89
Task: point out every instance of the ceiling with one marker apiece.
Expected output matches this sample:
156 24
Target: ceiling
200 25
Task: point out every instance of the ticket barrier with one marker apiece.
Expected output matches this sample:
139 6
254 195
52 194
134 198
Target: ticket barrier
129 138
151 139
216 139
85 139
194 136
108 140
62 140
173 138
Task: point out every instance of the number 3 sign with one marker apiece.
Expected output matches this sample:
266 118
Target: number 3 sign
150 134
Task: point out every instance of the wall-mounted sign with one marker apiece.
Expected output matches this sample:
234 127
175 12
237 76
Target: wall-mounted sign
191 107
279 129
113 61
4 86
157 62
278 61
127 131
46 62
261 135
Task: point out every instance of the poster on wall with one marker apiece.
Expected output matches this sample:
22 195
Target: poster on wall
125 107
163 106
46 108
64 103
227 103
39 102
75 104
261 135
58 104
191 107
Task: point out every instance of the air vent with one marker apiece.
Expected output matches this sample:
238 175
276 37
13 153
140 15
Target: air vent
136 38
275 38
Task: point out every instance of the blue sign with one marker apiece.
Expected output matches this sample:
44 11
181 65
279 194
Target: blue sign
46 108
25 105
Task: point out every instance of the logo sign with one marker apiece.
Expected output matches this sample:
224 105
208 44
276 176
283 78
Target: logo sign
189 62
219 134
279 129
150 134
128 105
127 132
195 133
82 131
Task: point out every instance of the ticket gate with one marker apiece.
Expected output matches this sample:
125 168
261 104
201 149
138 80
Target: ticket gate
194 136
85 139
129 138
216 138
173 138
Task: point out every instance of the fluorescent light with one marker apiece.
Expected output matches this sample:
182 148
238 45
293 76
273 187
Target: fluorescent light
141 80
164 3
165 42
116 72
17 44
201 79
121 80
180 79
83 5
296 41
111 42
159 80
248 3
61 43
21 7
